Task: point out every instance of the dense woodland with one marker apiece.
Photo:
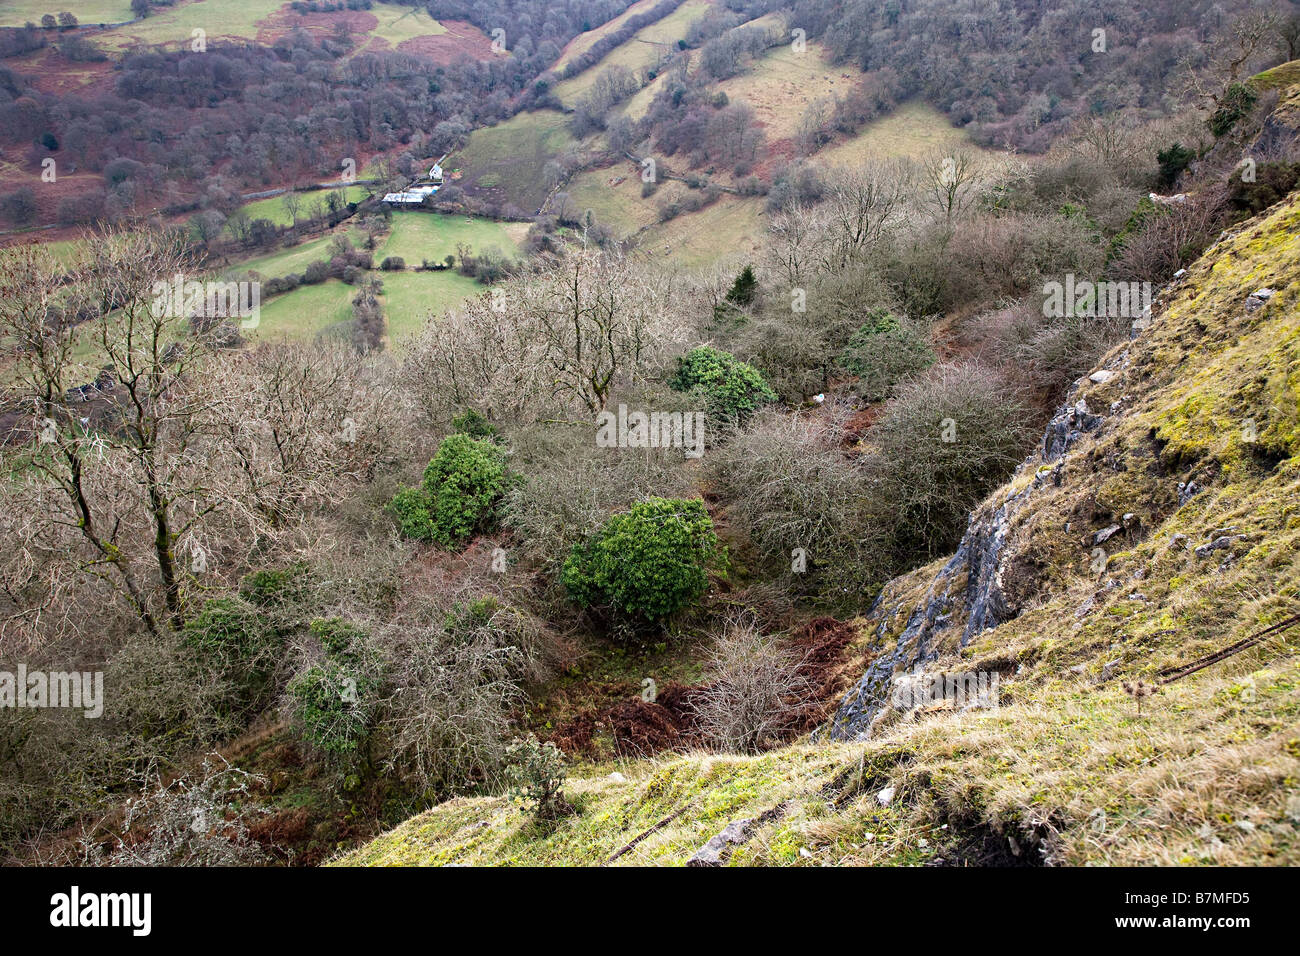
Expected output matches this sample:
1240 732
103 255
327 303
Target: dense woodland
242 115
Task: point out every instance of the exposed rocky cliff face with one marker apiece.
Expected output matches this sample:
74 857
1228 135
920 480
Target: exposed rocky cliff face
967 595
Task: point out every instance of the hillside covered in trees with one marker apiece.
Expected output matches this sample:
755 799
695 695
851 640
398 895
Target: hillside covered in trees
848 433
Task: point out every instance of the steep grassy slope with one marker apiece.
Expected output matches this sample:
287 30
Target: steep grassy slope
1183 453
913 129
585 41
784 86
729 229
1285 75
507 162
650 45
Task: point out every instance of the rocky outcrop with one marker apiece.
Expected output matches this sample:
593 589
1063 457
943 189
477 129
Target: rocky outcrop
719 848
1281 127
967 595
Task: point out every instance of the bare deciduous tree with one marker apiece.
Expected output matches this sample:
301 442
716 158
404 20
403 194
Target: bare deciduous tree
795 246
862 202
1172 237
457 685
1236 53
131 339
949 182
1288 33
174 451
1113 141
292 205
560 339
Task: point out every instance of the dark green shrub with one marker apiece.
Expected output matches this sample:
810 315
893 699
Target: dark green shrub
744 289
1143 212
333 705
1273 181
732 310
1238 100
474 425
275 587
1172 163
413 509
228 627
333 702
458 495
884 351
647 562
732 388
337 636
234 643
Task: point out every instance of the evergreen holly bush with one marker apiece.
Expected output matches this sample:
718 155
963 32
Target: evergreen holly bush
647 562
458 494
882 352
732 388
333 701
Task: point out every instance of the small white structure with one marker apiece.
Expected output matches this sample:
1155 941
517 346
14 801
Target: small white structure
421 189
435 174
413 195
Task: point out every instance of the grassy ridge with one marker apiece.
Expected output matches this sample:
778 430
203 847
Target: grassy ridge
585 41
1285 75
